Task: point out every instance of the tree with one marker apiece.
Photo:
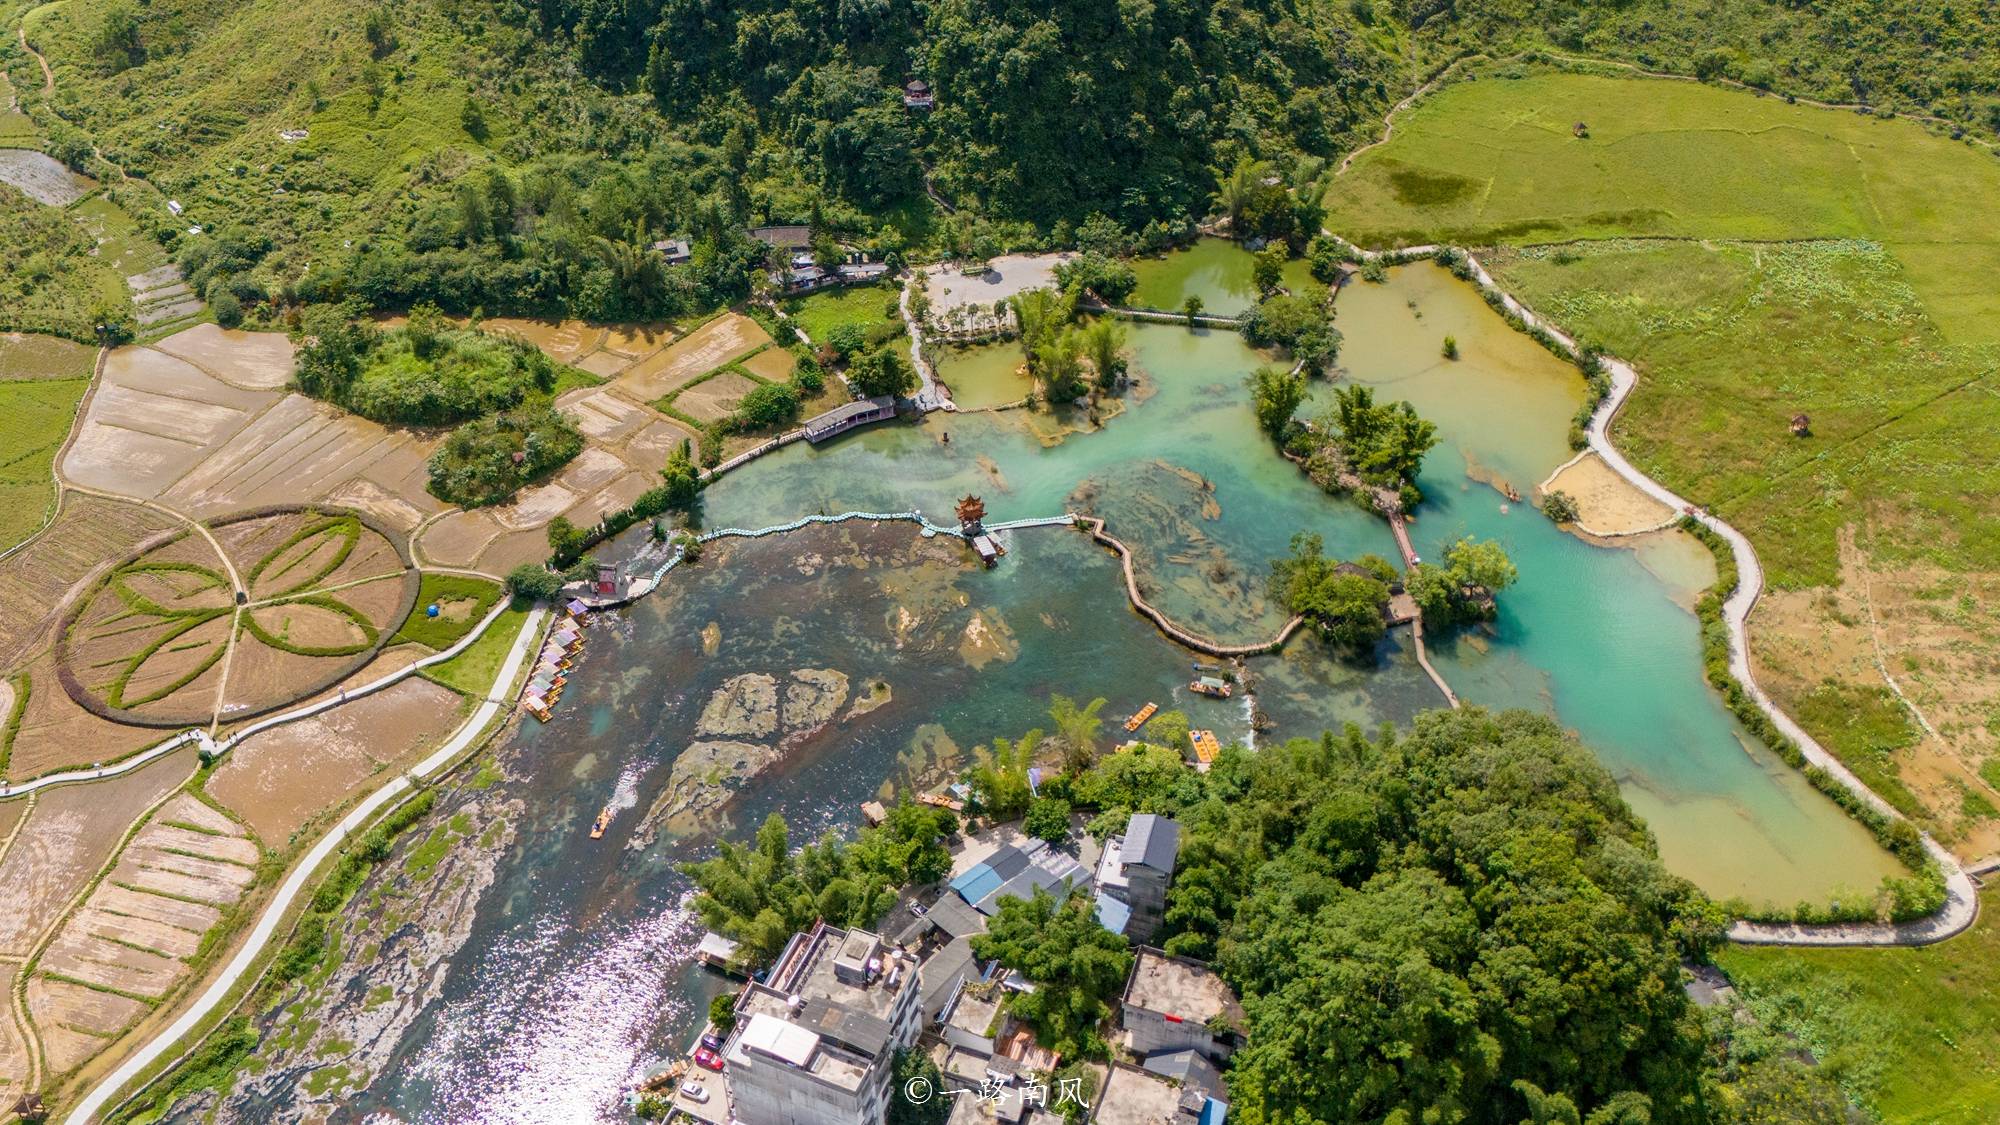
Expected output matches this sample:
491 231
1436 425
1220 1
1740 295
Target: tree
1325 256
1268 267
472 119
722 1012
1076 728
1276 394
1000 777
767 406
1450 349
533 582
1301 323
1384 442
1048 820
1191 308
680 478
1480 564
1344 603
1077 965
912 1071
1058 363
1104 345
1041 315
1168 729
1108 278
566 540
117 44
883 371
1559 506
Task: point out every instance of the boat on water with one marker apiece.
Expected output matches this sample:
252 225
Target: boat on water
1139 720
603 822
1209 685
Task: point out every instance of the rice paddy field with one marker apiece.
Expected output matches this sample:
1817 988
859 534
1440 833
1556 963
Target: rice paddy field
42 379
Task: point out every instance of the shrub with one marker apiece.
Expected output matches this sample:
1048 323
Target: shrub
484 461
768 406
1110 279
536 583
1559 506
1450 349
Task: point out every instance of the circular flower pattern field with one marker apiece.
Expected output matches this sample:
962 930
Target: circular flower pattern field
260 611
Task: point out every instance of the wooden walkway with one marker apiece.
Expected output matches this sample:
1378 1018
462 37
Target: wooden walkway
1162 621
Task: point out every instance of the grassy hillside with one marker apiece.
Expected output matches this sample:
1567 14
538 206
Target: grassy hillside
1496 161
1914 1034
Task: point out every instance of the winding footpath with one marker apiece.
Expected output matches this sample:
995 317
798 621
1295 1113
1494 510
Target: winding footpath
1961 904
305 872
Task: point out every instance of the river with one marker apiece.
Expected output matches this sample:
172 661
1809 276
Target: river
577 976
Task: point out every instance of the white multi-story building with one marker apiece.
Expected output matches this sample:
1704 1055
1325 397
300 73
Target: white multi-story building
815 1042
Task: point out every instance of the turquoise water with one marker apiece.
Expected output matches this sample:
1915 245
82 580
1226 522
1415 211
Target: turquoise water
577 977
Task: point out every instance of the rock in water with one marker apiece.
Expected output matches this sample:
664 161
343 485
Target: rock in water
813 697
745 705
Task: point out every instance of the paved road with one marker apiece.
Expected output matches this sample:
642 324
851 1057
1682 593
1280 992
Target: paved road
126 765
1961 905
302 875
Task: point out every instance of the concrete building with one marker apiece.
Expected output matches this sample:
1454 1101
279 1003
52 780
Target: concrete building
1134 1097
1134 873
814 1043
1178 1003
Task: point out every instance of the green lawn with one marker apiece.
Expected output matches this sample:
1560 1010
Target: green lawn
472 671
865 306
441 632
1914 1034
34 419
1733 339
1495 161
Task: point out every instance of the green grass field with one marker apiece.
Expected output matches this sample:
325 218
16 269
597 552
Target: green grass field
863 306
34 420
441 632
1494 161
1913 1034
1734 338
471 672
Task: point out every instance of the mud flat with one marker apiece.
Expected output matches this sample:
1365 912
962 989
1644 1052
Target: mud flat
41 177
254 360
1606 502
727 337
127 946
280 779
67 838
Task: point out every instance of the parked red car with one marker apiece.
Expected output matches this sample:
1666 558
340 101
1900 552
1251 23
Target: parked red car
707 1059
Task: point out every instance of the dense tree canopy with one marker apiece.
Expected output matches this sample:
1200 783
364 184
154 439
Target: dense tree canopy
1419 924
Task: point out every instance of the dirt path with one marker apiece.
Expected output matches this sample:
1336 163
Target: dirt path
48 76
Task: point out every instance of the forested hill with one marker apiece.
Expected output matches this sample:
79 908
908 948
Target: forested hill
520 155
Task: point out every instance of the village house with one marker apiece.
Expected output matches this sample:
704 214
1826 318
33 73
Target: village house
1177 1004
1133 875
814 1042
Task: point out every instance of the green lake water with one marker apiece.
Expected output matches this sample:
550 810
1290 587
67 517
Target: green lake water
982 377
579 976
1214 269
